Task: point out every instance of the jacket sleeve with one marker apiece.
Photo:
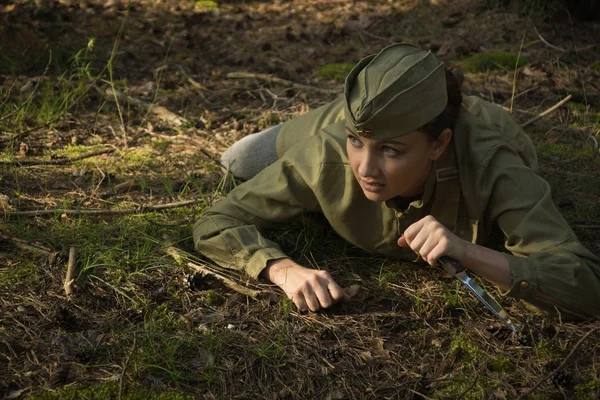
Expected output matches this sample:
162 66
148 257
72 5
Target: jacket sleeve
549 266
230 231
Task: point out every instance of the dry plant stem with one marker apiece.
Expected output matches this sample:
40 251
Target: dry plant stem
562 364
140 210
159 111
60 161
274 79
70 269
232 285
125 367
548 111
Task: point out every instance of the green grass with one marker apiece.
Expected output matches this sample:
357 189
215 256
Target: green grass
335 71
495 60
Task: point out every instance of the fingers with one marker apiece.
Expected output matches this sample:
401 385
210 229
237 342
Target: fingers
318 291
337 293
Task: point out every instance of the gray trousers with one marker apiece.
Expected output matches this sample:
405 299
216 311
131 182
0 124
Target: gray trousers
251 154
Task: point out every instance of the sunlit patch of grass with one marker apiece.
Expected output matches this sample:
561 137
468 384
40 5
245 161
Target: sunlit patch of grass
207 4
335 71
491 61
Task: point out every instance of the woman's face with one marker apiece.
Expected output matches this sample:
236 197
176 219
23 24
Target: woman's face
394 167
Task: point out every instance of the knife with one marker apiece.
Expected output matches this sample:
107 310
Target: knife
456 269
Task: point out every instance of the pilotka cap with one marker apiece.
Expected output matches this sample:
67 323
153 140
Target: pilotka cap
394 92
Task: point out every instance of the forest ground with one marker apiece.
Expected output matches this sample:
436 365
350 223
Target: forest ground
112 119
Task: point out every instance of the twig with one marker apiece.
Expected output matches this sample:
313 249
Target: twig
548 111
70 268
274 79
140 210
232 285
60 161
125 367
121 187
548 44
562 364
27 246
159 111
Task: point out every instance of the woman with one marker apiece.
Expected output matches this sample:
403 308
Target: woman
401 165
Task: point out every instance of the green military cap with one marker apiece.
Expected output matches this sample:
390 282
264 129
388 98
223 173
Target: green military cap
394 92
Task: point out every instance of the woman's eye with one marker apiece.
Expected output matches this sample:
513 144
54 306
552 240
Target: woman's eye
390 151
354 141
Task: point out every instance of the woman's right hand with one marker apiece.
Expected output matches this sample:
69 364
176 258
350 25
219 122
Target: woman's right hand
309 289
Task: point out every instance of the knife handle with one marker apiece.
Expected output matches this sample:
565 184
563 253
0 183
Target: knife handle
451 265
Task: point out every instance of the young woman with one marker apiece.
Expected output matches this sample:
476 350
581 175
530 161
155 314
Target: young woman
402 165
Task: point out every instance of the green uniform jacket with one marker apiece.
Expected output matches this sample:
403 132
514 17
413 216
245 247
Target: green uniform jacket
496 161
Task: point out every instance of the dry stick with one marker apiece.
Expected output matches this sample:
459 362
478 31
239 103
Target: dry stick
121 187
274 79
562 364
125 367
178 256
140 210
70 268
548 44
232 285
60 161
548 111
160 111
27 246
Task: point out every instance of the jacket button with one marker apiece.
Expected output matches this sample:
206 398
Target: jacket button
524 285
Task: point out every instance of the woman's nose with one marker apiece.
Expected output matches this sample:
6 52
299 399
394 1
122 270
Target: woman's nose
368 167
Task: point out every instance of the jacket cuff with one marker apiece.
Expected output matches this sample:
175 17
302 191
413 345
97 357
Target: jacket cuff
523 281
260 258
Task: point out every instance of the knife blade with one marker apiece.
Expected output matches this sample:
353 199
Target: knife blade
456 269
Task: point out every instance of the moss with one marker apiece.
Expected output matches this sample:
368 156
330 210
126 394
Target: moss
501 365
207 4
492 61
465 350
213 298
109 390
335 71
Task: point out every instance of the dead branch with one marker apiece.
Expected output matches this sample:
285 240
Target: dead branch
160 111
60 161
70 268
548 111
121 187
140 210
562 364
34 248
274 79
232 285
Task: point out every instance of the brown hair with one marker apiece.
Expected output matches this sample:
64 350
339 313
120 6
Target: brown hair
448 117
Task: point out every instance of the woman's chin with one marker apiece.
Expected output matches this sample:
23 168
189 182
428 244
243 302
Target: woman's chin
376 196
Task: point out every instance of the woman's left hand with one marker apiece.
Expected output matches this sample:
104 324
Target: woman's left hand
432 240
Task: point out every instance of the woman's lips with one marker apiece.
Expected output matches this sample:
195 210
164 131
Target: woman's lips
373 187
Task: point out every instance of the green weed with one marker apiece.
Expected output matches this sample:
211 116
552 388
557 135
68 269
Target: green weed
491 61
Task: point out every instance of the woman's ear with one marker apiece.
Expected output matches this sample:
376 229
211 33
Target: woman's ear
440 144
